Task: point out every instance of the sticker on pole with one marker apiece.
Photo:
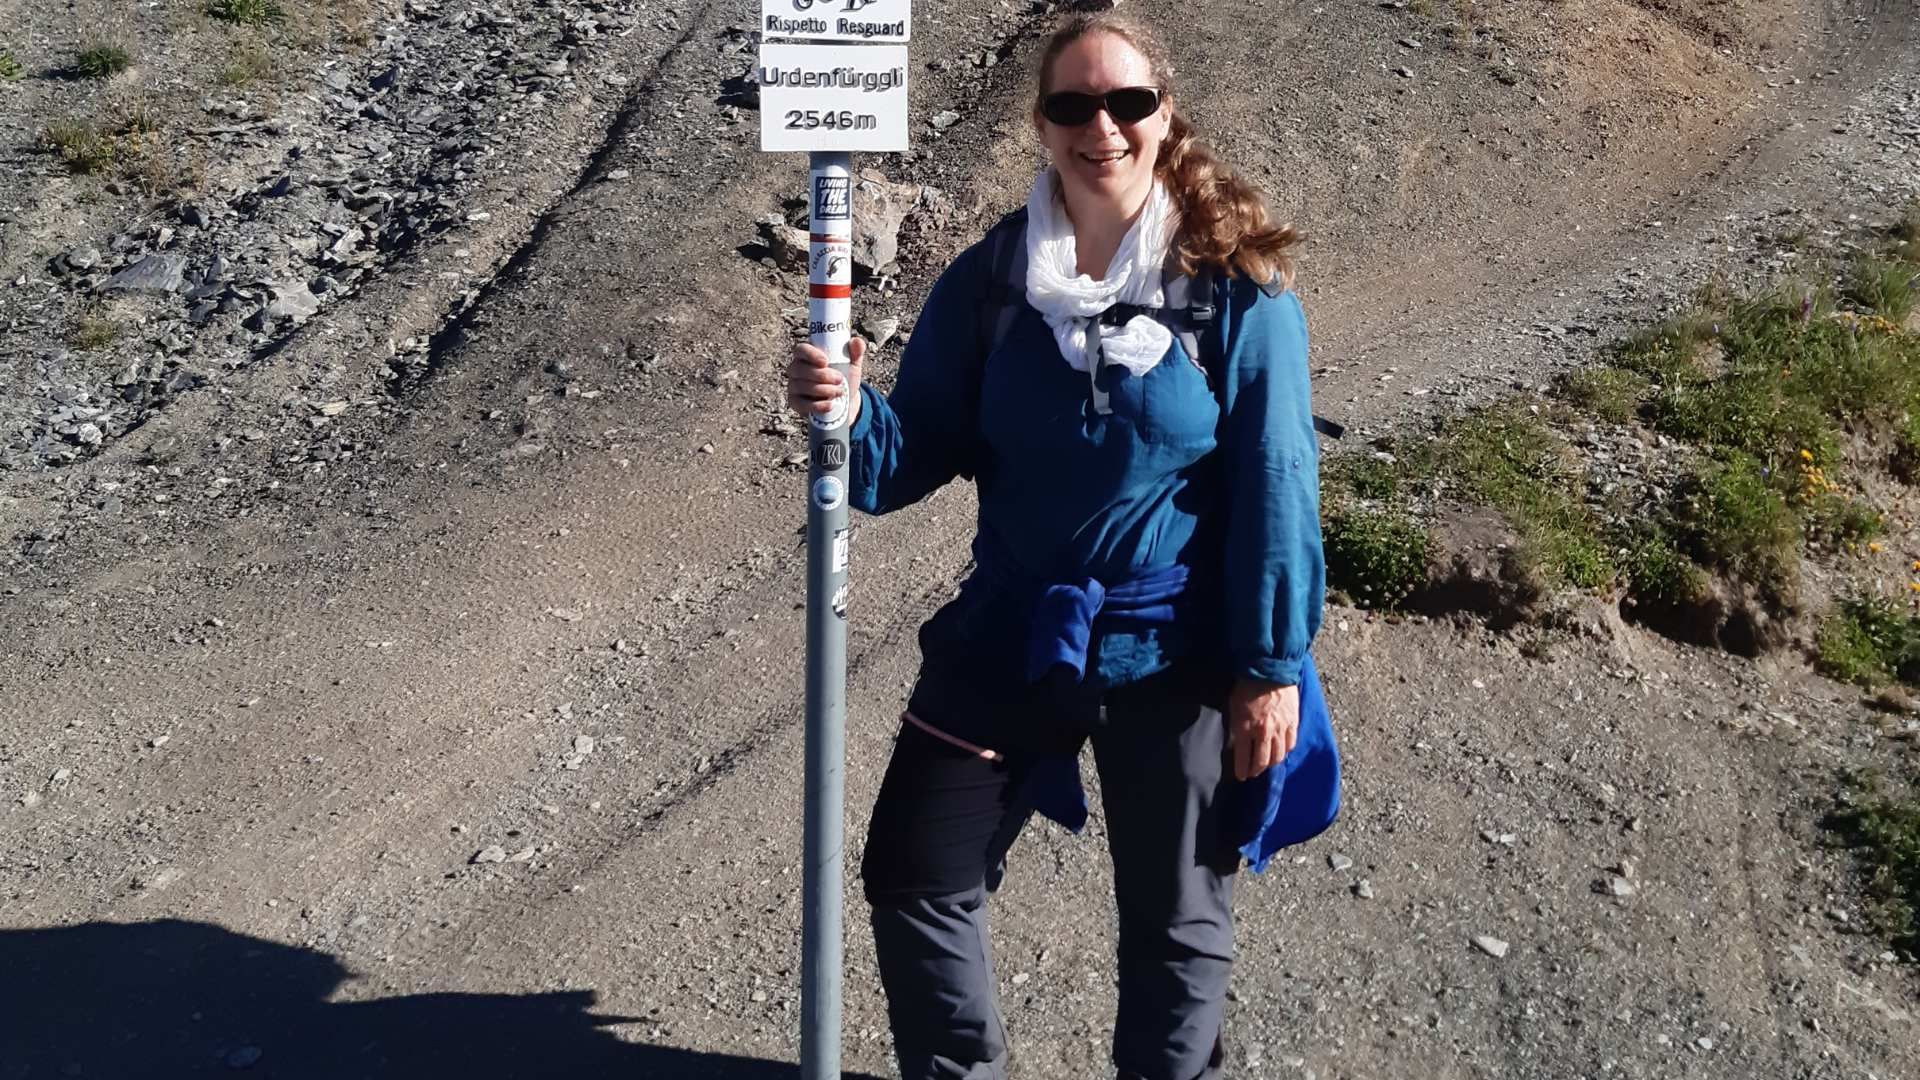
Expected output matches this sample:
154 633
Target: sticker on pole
831 97
837 20
829 493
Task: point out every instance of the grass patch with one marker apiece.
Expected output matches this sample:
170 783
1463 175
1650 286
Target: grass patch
1368 477
1883 286
102 61
1906 233
1735 518
247 12
1868 641
1377 557
250 63
137 119
83 148
91 332
1513 462
1843 523
1883 827
1657 570
1613 394
10 68
1905 462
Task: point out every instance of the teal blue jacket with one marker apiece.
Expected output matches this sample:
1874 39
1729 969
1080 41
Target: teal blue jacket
1225 483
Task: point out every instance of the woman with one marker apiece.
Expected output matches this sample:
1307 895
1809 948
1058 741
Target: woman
1148 558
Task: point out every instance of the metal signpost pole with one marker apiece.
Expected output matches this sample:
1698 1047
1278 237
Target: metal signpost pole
829 100
829 315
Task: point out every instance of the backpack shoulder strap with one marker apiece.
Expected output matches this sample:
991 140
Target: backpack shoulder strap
1203 344
1007 280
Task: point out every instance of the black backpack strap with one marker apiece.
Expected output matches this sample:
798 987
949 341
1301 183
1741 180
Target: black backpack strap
1006 287
1199 316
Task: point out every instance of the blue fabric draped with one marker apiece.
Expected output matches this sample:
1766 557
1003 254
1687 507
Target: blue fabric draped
1291 802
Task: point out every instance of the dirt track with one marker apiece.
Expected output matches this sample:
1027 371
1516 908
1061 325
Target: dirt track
376 667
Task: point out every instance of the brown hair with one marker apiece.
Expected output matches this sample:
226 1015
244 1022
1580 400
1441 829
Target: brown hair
1224 221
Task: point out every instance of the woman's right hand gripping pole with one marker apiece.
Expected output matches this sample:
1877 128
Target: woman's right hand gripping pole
812 384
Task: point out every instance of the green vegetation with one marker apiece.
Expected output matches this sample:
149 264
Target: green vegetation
1842 523
10 68
1765 402
250 63
247 12
1377 557
136 119
1612 394
1369 477
92 332
1906 233
1657 570
1512 461
1734 518
101 60
1869 641
1883 827
83 148
1883 286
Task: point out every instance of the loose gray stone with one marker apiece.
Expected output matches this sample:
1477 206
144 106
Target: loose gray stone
292 300
492 853
788 246
880 331
880 207
1339 862
945 119
156 274
1492 946
583 744
1363 889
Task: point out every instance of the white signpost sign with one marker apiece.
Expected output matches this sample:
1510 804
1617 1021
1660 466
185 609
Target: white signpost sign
841 89
837 20
833 97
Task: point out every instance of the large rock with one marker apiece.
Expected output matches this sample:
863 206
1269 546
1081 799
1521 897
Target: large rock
156 274
292 300
880 207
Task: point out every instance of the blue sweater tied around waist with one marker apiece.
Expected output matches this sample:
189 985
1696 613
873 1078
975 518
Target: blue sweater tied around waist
1292 801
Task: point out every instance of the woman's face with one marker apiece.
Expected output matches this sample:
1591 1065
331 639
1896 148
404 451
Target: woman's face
1104 164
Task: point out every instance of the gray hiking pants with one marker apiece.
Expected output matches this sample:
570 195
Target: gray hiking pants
936 844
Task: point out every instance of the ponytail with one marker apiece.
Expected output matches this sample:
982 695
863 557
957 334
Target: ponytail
1224 221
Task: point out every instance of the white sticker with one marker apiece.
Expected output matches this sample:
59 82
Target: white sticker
834 417
840 543
829 493
840 600
837 20
832 97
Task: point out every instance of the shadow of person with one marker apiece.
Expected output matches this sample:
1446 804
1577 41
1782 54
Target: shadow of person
171 998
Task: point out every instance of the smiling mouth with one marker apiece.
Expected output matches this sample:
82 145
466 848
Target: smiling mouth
1104 158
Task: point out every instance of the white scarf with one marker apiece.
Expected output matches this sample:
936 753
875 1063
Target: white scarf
1071 301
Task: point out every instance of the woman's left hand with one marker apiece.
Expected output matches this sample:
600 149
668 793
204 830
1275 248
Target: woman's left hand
1263 721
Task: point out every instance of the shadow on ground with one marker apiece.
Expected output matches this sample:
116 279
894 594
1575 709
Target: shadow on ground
176 999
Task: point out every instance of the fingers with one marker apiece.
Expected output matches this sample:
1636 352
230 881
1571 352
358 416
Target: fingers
812 385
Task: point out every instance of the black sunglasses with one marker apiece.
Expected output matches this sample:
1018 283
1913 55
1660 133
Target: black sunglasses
1127 105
